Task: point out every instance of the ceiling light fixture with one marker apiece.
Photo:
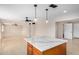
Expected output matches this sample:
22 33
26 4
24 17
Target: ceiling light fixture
35 19
27 20
65 11
46 16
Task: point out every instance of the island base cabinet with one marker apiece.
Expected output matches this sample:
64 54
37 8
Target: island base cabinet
32 50
58 50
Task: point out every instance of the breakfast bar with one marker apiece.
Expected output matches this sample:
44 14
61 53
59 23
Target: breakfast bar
45 46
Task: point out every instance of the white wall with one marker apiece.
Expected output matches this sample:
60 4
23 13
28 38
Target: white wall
14 31
39 29
43 29
76 30
59 29
68 30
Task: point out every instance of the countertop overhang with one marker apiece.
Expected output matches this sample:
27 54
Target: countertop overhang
45 43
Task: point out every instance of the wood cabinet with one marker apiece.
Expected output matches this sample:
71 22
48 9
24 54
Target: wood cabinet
32 50
58 50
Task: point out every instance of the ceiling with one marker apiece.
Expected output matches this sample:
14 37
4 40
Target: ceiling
20 11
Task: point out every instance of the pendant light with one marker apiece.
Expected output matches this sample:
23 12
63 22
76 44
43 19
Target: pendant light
46 16
35 19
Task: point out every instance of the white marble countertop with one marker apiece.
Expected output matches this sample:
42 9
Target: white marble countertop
44 43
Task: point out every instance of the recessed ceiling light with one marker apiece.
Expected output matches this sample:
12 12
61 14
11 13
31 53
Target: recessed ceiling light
65 11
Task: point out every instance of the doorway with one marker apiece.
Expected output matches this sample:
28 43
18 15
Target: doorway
68 31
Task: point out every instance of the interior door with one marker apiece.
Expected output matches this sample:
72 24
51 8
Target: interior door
68 31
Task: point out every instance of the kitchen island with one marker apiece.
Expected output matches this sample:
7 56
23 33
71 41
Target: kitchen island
45 46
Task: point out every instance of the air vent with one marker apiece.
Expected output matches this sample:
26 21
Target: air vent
53 6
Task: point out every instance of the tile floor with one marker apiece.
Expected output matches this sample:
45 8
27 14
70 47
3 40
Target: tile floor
13 46
17 46
73 47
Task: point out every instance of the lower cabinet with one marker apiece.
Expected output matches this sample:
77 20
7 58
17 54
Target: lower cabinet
32 50
58 50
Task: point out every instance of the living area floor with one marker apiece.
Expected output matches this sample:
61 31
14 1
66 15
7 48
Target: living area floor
73 47
17 46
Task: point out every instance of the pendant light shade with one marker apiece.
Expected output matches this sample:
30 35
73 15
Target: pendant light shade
35 19
46 16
